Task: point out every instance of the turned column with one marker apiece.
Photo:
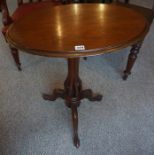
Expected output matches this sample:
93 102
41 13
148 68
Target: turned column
73 87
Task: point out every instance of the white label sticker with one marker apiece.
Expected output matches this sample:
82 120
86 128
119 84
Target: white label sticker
79 48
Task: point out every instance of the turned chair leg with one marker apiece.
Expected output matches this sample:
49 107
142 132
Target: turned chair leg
131 59
15 55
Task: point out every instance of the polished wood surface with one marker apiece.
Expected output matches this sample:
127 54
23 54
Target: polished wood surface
55 32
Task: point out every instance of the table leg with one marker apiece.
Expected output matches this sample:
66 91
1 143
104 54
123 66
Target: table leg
73 94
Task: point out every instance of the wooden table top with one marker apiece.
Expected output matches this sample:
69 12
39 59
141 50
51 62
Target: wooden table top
55 31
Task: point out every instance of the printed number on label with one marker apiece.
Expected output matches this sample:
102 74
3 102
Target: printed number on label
79 47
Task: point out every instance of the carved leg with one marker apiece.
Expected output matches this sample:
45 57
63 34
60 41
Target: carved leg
56 94
15 55
73 87
90 96
75 126
131 59
73 94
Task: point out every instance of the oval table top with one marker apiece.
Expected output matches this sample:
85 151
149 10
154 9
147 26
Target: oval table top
77 30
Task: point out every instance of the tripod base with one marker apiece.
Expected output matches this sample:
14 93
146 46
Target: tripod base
73 94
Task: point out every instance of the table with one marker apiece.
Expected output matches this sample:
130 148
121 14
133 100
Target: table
73 31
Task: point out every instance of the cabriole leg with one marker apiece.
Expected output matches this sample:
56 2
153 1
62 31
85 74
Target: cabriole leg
75 125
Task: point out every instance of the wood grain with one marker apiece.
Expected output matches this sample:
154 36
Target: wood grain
55 31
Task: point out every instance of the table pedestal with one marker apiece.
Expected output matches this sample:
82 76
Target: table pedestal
73 94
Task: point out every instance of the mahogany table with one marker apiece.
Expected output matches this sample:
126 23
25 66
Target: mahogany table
73 31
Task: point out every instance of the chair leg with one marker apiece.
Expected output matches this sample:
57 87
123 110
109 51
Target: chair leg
131 59
15 55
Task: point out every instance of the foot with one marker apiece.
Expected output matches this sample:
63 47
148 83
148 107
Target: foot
125 75
56 94
19 67
90 96
76 142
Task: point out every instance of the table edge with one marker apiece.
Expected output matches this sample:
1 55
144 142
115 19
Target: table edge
84 53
